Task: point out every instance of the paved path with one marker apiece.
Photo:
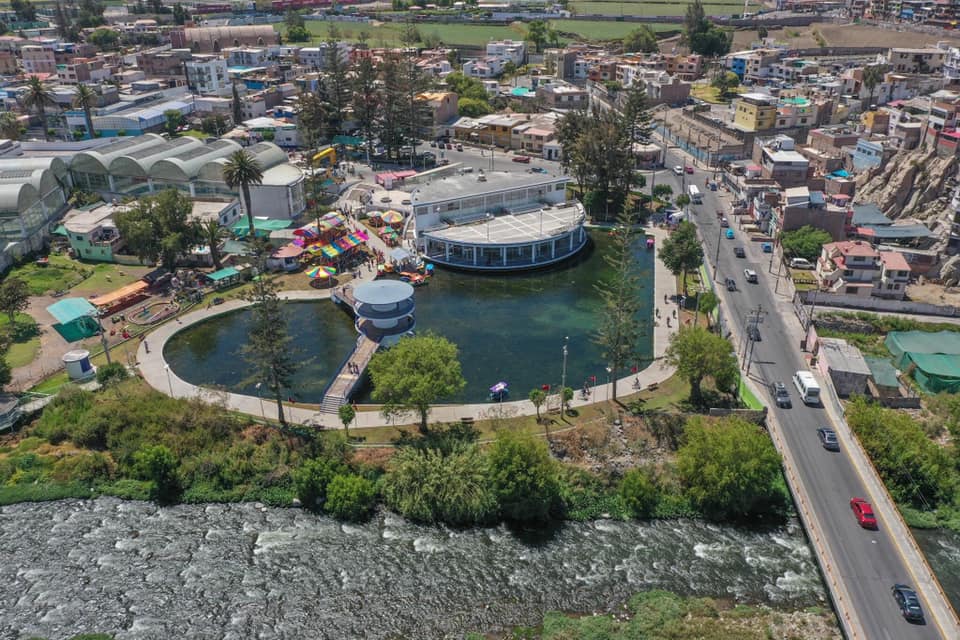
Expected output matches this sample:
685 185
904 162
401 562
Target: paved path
157 373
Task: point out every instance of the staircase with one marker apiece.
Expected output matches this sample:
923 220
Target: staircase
331 403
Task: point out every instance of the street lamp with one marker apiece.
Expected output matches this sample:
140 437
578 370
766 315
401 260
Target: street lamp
263 413
563 371
609 371
169 380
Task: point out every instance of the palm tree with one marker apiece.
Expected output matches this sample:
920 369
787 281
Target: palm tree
243 170
211 233
39 96
86 98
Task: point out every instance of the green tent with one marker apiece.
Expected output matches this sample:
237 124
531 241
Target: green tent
261 226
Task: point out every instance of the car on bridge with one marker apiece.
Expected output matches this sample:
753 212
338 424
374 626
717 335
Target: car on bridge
828 438
780 395
863 512
908 602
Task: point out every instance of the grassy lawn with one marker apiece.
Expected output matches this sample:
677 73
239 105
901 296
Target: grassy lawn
26 340
750 400
634 8
59 275
106 277
80 278
475 35
193 133
52 384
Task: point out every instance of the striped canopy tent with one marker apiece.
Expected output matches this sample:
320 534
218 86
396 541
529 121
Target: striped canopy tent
392 217
332 220
321 272
307 231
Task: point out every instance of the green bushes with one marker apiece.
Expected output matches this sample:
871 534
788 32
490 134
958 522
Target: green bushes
524 478
730 470
312 478
111 373
158 465
917 471
351 497
425 485
640 492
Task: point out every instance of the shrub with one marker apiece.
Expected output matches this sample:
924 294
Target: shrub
640 492
311 480
427 486
524 478
350 497
158 464
110 373
84 467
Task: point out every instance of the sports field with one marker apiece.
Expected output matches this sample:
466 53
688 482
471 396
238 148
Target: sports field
661 8
474 35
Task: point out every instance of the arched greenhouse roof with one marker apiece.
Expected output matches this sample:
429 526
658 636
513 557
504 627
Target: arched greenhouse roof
138 163
185 165
17 197
98 160
267 154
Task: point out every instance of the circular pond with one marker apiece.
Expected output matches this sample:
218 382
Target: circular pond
508 327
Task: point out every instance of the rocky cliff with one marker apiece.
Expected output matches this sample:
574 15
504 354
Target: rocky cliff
914 184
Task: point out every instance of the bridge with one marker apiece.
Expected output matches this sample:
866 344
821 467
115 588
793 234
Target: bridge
351 370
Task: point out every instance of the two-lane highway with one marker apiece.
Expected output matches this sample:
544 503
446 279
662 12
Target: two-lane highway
867 562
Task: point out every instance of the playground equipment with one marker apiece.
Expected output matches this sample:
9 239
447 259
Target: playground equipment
153 313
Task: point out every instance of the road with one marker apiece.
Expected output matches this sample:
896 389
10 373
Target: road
867 561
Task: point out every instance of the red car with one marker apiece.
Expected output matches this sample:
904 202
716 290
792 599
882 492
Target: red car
688 169
523 159
864 513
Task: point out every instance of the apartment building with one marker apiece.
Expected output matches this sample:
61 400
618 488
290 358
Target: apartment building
854 267
562 96
925 61
513 50
755 112
37 59
84 71
207 75
779 160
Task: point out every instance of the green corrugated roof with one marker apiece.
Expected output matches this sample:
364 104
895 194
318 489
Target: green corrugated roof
70 309
223 274
241 228
883 372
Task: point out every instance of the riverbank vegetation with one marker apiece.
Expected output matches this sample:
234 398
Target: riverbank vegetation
921 474
130 441
661 615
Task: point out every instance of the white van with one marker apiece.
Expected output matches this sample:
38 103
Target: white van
808 387
695 196
800 263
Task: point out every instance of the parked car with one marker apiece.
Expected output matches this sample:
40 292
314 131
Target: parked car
724 223
753 332
678 170
863 512
538 170
688 169
828 438
780 395
908 602
800 263
523 159
739 252
750 275
433 144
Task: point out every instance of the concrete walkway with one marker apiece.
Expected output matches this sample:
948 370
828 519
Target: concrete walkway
160 376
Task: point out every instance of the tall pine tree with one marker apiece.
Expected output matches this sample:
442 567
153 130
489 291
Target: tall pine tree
620 328
268 350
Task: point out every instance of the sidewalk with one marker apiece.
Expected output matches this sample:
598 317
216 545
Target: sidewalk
160 376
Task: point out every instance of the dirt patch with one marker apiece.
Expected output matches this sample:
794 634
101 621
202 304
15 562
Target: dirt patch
839 35
934 294
377 457
601 447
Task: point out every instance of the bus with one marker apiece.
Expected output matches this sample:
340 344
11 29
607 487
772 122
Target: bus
808 387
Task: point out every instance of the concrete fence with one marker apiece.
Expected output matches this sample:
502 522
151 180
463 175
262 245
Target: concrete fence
826 299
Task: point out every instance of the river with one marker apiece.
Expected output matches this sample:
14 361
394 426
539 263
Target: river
242 571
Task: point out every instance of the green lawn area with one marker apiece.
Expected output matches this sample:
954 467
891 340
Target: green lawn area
26 341
475 35
634 8
106 277
746 395
193 133
52 384
61 274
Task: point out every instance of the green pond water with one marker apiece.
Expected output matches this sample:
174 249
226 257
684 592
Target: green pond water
507 326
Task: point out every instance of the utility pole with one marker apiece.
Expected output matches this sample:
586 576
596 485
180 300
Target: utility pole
716 260
754 318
